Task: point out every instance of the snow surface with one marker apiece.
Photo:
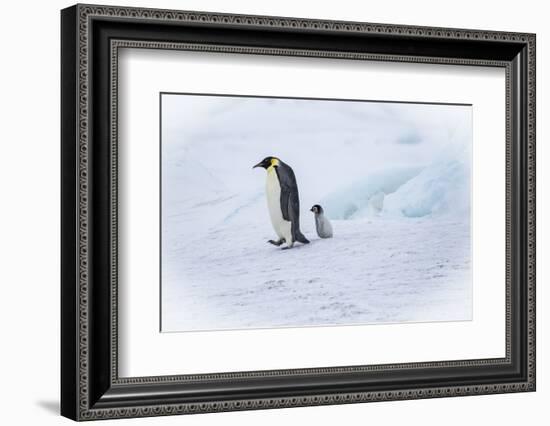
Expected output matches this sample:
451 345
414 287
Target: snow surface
393 178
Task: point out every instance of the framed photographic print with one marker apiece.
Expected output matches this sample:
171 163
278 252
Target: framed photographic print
263 212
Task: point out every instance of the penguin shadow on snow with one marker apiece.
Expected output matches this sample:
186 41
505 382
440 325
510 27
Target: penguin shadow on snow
297 247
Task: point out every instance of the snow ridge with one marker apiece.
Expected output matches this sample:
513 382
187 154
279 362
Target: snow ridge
441 188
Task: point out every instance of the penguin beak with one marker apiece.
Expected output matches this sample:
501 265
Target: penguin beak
258 165
311 209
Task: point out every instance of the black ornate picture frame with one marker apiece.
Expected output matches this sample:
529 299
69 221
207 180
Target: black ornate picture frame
91 387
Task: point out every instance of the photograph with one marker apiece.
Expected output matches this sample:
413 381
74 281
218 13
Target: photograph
300 212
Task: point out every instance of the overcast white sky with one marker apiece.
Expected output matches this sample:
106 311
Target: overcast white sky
187 116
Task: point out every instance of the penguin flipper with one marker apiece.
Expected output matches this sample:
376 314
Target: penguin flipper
288 204
293 216
290 201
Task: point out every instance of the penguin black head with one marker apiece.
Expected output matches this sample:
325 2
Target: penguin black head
268 162
316 209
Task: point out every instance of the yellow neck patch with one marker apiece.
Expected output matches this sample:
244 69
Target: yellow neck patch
274 162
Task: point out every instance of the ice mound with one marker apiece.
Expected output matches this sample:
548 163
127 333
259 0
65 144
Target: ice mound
441 188
365 197
438 189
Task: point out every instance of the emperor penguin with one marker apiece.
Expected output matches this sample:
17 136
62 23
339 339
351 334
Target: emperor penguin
283 202
324 228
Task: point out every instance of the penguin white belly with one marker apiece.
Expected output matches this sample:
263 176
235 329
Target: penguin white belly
282 227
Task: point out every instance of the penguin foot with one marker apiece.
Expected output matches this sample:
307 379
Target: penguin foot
276 243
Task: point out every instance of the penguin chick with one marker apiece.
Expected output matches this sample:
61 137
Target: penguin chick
324 228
